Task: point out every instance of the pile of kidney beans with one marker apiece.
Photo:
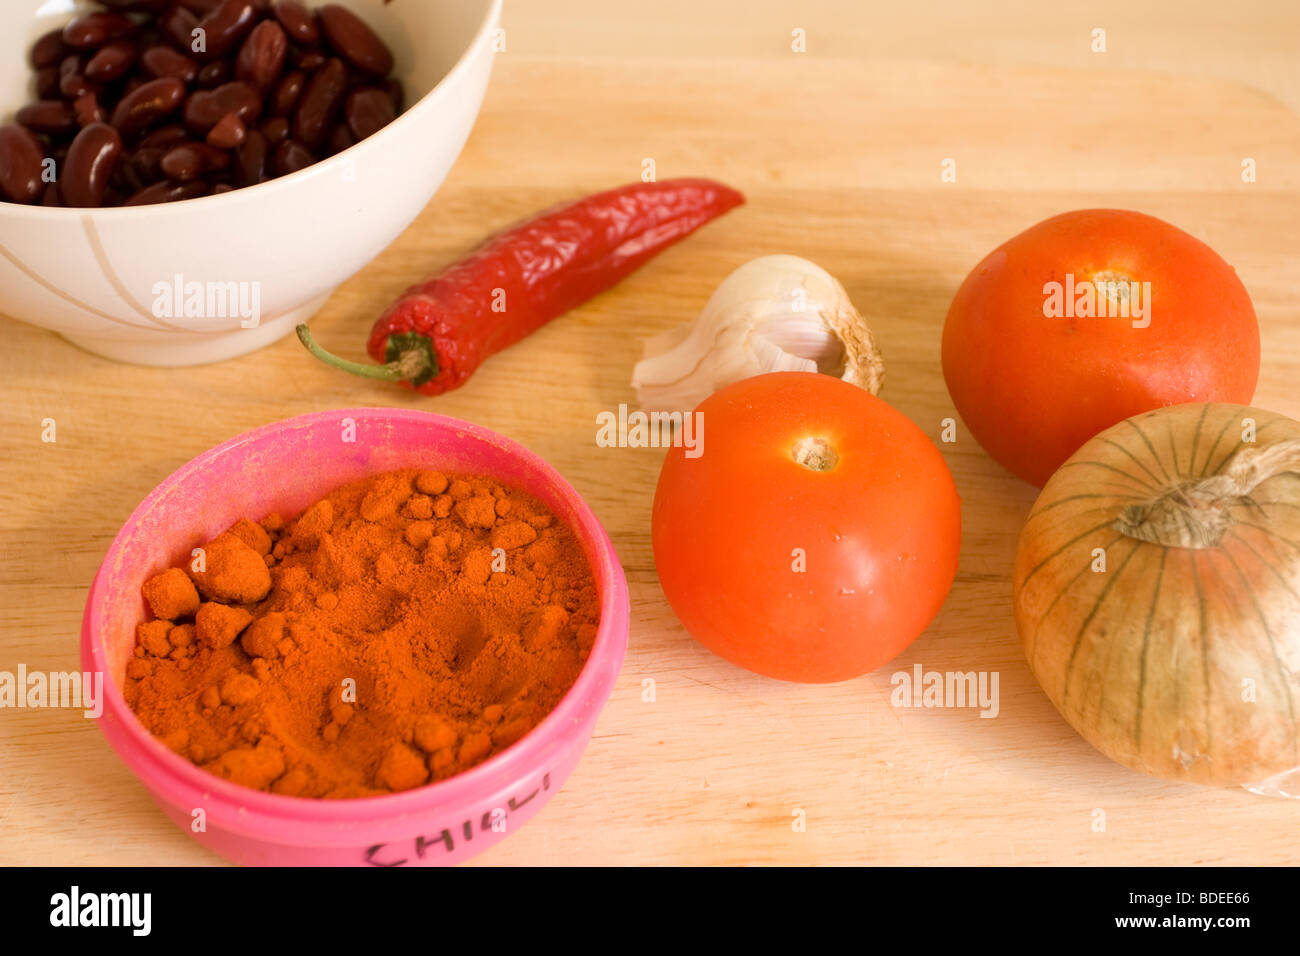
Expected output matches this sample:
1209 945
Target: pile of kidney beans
152 101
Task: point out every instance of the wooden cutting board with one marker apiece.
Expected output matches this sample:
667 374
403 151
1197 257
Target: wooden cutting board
842 163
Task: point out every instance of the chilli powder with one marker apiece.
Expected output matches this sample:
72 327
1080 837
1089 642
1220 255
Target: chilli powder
401 630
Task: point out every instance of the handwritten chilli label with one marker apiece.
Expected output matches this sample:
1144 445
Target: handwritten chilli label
492 821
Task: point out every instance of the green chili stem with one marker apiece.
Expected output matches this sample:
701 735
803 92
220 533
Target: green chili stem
410 365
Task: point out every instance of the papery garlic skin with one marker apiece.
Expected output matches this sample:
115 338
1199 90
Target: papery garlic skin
774 314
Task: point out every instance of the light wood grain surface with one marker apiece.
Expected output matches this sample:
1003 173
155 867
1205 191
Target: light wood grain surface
840 158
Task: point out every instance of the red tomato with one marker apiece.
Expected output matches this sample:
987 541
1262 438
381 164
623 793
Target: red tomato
1032 388
814 537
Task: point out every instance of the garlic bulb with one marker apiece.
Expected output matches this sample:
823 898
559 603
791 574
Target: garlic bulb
773 314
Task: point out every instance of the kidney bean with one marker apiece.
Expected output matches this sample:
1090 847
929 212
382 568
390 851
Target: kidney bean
276 130
47 83
91 159
48 50
165 136
291 156
52 197
250 160
111 62
148 104
92 30
297 21
200 7
340 139
287 94
182 163
320 102
167 192
309 61
177 25
87 110
229 132
215 74
215 160
72 79
125 179
136 6
21 159
368 111
205 109
225 26
396 92
146 164
48 116
73 85
352 38
162 61
220 188
192 160
261 58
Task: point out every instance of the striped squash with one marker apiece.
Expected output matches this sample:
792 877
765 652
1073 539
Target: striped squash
1157 593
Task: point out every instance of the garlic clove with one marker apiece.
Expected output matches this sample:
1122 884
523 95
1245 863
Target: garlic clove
775 313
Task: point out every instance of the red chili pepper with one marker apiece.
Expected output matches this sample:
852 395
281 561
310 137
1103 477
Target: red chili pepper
438 333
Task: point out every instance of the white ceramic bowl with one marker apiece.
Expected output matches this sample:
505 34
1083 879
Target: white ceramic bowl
96 276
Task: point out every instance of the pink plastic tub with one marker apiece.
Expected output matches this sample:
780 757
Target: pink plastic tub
284 467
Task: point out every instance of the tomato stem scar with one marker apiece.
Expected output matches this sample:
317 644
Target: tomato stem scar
1115 286
815 454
